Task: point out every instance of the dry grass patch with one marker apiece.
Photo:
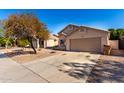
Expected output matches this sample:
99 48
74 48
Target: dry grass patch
22 56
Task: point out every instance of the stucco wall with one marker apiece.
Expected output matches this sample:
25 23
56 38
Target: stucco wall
52 43
89 33
114 44
35 43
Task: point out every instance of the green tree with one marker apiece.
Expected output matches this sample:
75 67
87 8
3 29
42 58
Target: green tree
24 26
1 28
5 42
115 34
2 41
1 32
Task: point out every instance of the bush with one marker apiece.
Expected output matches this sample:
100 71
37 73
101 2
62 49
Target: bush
4 41
22 42
115 34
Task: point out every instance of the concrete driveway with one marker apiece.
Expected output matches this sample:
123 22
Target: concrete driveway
110 70
65 67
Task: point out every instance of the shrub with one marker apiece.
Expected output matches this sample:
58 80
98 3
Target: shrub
115 34
22 42
4 41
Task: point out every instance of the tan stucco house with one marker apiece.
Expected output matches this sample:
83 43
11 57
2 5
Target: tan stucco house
51 42
82 38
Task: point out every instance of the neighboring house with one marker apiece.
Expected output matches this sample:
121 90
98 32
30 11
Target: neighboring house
82 38
51 42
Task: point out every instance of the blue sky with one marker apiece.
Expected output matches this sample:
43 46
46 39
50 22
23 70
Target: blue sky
58 19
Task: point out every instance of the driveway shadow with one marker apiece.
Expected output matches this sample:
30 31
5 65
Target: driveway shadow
77 70
103 71
107 72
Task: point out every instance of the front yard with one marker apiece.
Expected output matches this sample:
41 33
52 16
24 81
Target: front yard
25 55
60 66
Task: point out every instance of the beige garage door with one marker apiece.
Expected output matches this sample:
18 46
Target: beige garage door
86 44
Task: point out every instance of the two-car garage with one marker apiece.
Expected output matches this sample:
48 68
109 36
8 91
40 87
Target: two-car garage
86 44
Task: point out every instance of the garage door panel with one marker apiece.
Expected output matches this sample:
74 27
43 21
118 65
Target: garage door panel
86 44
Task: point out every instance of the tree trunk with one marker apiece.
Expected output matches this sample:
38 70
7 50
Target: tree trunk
6 45
32 46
